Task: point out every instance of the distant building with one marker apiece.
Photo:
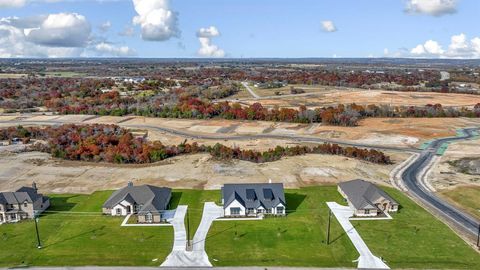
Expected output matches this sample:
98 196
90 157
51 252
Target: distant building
25 203
366 199
253 199
147 202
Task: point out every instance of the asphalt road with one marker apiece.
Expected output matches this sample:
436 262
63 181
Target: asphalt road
412 182
220 137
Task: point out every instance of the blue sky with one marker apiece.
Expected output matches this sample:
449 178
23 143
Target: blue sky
259 28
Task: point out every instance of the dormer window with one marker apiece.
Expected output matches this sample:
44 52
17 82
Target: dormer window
268 194
251 195
25 204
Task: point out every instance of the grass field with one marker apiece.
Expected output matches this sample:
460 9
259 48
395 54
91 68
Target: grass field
71 239
74 233
466 197
413 239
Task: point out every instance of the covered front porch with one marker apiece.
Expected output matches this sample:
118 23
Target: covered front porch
12 216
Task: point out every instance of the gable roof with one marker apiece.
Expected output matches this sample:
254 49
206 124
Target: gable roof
151 198
254 195
23 194
363 194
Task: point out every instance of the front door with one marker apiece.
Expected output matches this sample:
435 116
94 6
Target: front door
149 218
129 209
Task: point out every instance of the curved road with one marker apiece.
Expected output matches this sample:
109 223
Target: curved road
193 135
415 188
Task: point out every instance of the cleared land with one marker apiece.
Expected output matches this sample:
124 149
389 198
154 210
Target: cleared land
401 132
322 98
445 174
465 197
410 240
189 171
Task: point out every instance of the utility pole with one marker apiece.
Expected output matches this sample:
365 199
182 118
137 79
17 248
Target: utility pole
328 226
188 230
35 218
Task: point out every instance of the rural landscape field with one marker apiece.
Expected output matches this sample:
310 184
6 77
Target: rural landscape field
206 134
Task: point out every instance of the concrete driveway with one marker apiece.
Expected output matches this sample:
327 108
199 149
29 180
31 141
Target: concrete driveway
211 211
180 257
366 260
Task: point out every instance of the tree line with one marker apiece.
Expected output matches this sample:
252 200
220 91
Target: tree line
113 144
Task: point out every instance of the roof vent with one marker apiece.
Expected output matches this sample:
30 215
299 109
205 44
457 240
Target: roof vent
130 184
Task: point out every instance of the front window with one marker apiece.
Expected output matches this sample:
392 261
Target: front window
367 211
268 210
13 216
280 210
251 211
119 211
25 204
235 211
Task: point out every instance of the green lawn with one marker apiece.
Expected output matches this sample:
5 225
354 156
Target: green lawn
295 240
413 239
195 200
82 239
466 197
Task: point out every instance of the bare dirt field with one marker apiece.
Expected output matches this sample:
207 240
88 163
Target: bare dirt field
376 131
326 98
400 132
190 171
445 175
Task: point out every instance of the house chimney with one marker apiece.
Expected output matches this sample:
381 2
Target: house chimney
130 184
34 186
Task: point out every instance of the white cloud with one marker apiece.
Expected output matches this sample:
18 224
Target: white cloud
54 35
61 30
430 47
107 49
328 26
12 3
432 7
207 49
460 47
208 32
157 21
104 27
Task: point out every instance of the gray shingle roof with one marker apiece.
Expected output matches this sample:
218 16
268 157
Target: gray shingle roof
362 194
153 199
20 196
254 195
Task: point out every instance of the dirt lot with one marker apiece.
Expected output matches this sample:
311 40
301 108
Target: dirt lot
399 132
377 131
325 98
191 171
445 175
